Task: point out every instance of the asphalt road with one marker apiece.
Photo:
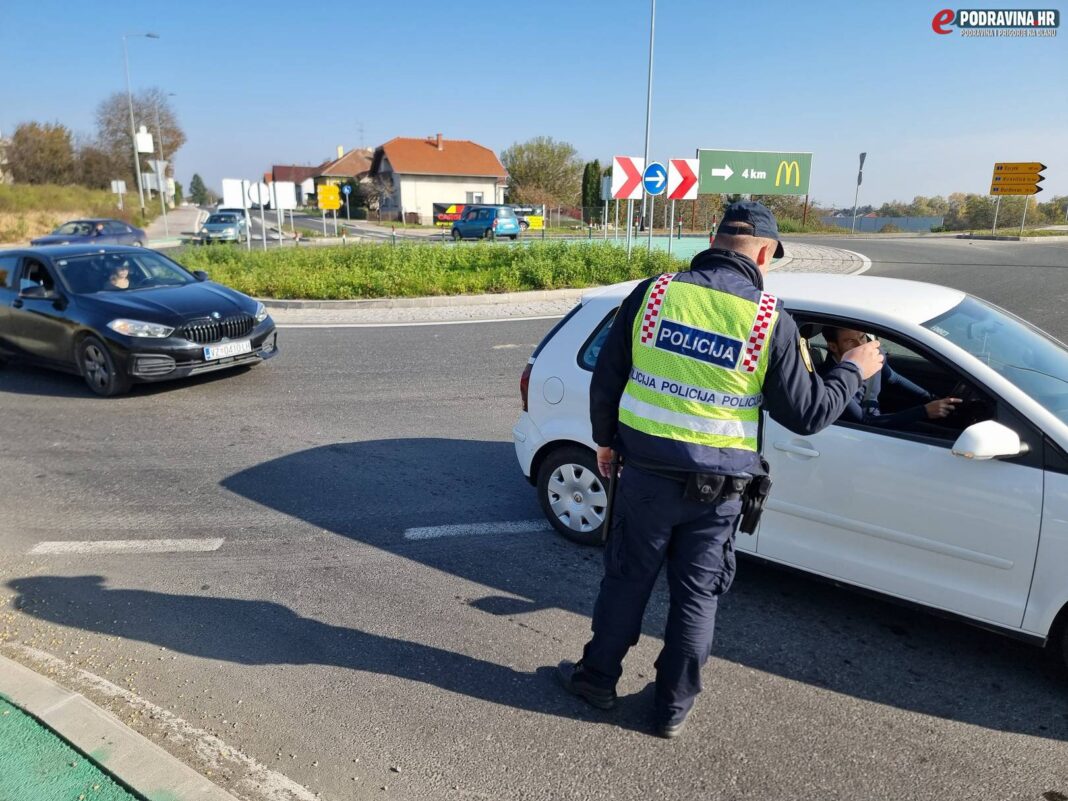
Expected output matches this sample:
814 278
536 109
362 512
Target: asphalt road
325 644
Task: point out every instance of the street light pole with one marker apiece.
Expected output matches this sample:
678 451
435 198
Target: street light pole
649 115
856 195
161 176
129 101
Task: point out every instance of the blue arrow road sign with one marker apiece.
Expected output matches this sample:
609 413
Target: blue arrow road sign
346 189
654 179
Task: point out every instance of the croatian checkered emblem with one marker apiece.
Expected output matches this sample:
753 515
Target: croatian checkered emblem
759 333
652 308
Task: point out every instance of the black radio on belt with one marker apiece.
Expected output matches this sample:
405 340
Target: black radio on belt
756 495
714 487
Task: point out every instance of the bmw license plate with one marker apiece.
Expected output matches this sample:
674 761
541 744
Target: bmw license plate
213 352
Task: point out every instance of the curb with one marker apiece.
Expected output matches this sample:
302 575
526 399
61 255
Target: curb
1031 240
535 296
134 760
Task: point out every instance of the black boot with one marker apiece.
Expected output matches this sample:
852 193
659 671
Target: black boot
572 679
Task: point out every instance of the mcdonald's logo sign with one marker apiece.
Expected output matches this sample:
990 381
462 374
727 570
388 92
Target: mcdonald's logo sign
790 168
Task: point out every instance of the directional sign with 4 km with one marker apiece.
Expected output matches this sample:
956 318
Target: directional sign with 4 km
654 179
328 198
753 172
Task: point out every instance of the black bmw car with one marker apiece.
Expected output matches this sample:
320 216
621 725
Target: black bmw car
115 315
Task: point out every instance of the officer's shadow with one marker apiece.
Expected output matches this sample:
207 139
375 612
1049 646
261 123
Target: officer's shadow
267 633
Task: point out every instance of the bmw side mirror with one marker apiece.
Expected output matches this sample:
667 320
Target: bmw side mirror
988 440
200 275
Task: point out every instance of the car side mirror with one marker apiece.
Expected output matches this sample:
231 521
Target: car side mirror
988 440
200 275
37 292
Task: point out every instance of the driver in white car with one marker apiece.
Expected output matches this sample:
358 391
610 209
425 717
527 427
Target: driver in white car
864 407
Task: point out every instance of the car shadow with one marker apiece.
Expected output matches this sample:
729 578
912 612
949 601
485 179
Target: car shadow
27 379
774 621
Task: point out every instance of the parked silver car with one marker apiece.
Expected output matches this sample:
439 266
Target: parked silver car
222 228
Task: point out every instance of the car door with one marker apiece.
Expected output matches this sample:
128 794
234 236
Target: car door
9 263
119 233
41 328
897 512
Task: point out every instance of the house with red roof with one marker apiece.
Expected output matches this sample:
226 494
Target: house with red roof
417 173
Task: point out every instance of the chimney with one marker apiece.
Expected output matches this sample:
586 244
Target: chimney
440 146
340 151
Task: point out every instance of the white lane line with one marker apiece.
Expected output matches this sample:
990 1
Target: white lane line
253 780
864 267
510 346
407 325
128 546
468 529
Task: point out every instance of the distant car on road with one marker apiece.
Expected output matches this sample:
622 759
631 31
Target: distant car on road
97 231
239 212
222 228
966 515
486 222
116 315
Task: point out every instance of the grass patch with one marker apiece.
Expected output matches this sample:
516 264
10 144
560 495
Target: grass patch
417 270
29 210
1010 231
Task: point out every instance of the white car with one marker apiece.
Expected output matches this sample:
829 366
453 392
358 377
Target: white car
968 517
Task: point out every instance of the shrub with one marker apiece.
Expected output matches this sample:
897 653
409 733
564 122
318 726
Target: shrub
890 228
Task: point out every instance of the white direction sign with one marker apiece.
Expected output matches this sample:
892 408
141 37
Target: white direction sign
682 179
627 177
259 194
283 195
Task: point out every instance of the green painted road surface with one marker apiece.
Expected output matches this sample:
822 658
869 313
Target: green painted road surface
36 765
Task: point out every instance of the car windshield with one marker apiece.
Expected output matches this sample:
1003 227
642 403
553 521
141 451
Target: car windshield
506 213
1025 355
108 272
74 229
222 219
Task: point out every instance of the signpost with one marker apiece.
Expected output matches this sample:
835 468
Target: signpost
681 185
856 195
1015 178
347 189
753 172
328 199
119 188
627 185
654 182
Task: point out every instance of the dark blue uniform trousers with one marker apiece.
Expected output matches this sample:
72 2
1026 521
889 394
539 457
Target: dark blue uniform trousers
653 523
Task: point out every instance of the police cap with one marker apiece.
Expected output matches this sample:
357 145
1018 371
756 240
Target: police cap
755 219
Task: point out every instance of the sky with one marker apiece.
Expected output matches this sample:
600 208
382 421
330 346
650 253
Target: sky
267 83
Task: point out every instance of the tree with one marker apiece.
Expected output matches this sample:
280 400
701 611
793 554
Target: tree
178 195
113 128
41 153
591 190
95 167
542 170
198 193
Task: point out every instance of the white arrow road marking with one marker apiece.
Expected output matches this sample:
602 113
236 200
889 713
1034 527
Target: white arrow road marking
467 529
128 546
726 172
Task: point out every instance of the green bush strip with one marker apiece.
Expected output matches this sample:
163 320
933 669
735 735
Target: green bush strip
37 765
418 270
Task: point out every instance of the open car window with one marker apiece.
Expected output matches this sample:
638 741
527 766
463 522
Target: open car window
918 368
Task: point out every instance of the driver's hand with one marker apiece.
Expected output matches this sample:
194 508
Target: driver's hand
605 457
941 408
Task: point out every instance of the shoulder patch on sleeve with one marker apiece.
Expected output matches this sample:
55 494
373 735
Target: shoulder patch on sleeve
806 357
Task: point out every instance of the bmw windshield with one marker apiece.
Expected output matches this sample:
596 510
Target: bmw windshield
1026 356
101 272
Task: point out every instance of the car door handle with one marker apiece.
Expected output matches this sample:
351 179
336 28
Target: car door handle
800 450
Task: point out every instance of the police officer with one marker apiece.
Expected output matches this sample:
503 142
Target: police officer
677 392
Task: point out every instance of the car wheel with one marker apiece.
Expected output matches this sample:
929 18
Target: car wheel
456 235
138 244
513 236
572 494
98 368
523 225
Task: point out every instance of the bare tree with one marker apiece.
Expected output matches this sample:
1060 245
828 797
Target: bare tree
113 127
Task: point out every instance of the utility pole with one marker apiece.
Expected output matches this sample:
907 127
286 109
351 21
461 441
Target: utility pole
129 101
649 112
856 196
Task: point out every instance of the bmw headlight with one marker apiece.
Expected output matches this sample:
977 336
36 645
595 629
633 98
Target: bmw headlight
261 312
137 328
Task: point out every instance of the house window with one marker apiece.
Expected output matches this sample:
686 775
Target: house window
474 197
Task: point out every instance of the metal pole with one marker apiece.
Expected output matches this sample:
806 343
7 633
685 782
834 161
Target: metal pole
671 227
804 214
853 229
630 217
997 208
335 222
263 222
1023 219
248 217
281 223
651 221
133 133
160 177
324 222
615 230
649 106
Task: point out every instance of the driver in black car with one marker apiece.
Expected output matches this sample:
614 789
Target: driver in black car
864 407
119 277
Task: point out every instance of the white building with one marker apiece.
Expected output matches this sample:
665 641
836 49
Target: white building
417 173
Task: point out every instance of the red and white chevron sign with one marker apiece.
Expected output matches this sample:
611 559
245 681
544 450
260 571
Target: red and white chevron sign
627 177
682 179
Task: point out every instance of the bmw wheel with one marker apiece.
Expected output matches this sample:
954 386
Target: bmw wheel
98 368
572 494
